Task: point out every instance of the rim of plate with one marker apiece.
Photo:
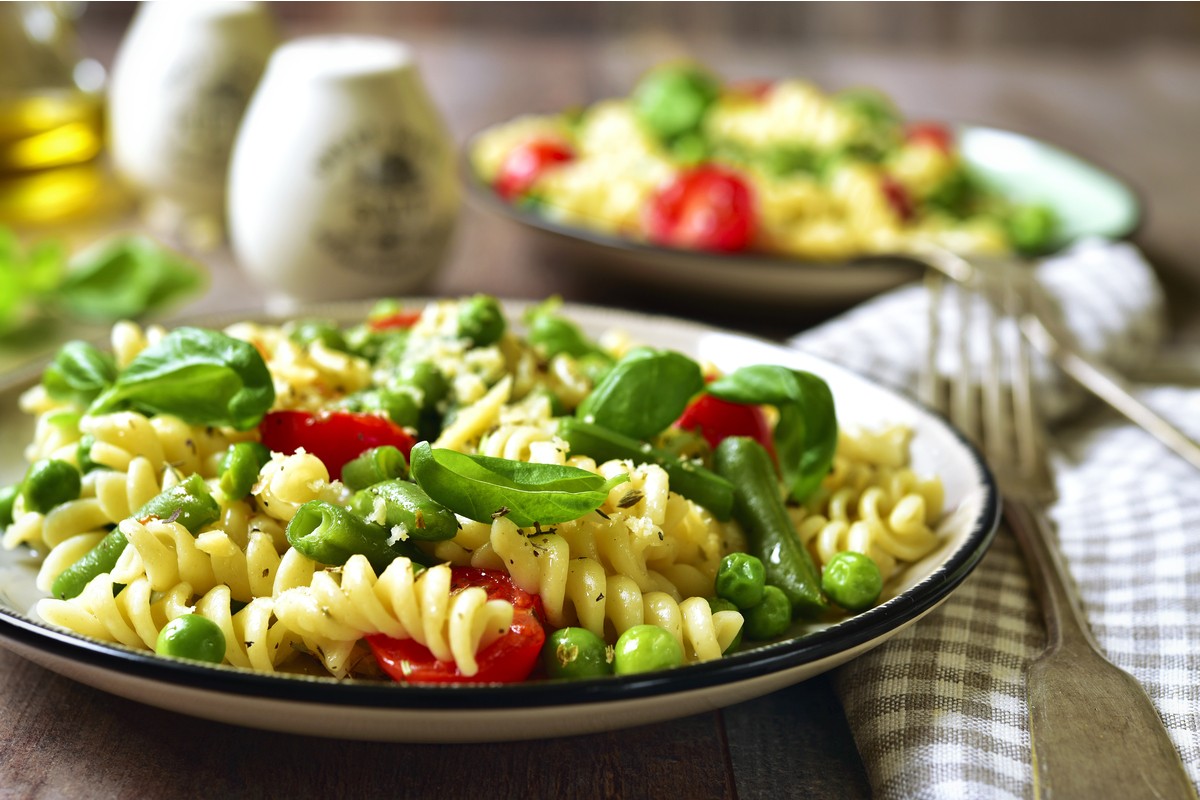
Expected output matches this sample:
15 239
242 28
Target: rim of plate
766 659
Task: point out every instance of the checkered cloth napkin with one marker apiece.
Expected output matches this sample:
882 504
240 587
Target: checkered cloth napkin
939 710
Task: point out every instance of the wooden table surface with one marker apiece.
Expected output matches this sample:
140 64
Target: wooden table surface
1133 109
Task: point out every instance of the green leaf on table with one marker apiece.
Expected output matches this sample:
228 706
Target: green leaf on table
479 487
27 277
201 376
126 277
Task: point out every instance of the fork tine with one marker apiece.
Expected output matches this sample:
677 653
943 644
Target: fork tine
929 387
1027 422
963 406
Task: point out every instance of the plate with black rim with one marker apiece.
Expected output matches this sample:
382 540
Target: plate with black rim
1088 201
359 709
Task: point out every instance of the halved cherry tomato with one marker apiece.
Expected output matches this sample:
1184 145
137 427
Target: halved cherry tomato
706 208
509 659
335 437
898 198
401 319
525 163
933 133
716 419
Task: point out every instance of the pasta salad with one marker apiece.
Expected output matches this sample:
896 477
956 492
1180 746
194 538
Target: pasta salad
780 167
443 494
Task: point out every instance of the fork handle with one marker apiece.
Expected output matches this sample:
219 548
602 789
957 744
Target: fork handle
1093 729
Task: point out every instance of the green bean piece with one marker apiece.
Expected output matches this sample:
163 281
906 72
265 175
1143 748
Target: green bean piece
50 482
721 604
481 320
408 511
852 580
576 653
646 648
189 503
330 534
741 579
374 466
240 467
305 332
100 559
687 478
758 506
771 617
193 637
8 496
428 381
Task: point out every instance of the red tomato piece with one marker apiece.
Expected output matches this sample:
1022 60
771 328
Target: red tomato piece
716 419
526 162
933 133
509 659
898 197
335 437
706 208
401 319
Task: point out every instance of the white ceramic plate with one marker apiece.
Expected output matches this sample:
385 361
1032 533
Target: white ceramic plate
391 712
1087 200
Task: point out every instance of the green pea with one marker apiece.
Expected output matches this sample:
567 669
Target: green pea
481 320
576 653
721 604
771 617
373 466
646 648
240 467
8 496
194 637
50 482
596 365
399 405
305 332
427 379
852 580
1032 228
741 579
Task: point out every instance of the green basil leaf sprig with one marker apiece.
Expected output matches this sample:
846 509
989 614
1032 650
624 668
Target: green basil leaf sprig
645 392
806 434
125 277
79 373
201 376
481 487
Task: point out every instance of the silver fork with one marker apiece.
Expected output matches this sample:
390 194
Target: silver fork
1094 731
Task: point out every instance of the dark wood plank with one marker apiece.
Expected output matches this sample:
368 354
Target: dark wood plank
59 738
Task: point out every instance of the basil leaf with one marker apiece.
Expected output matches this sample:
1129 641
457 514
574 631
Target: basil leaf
479 487
645 392
201 376
126 277
79 373
807 433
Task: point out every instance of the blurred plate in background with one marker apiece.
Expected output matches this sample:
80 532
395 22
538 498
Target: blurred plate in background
1088 201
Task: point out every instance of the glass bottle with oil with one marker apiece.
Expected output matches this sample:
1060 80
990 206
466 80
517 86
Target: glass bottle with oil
51 118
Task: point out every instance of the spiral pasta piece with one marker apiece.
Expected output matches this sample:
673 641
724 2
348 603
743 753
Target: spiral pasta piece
345 605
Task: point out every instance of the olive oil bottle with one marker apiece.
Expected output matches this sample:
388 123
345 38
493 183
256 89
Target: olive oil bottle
51 118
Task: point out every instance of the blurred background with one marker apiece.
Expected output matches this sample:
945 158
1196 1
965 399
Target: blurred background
1115 83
